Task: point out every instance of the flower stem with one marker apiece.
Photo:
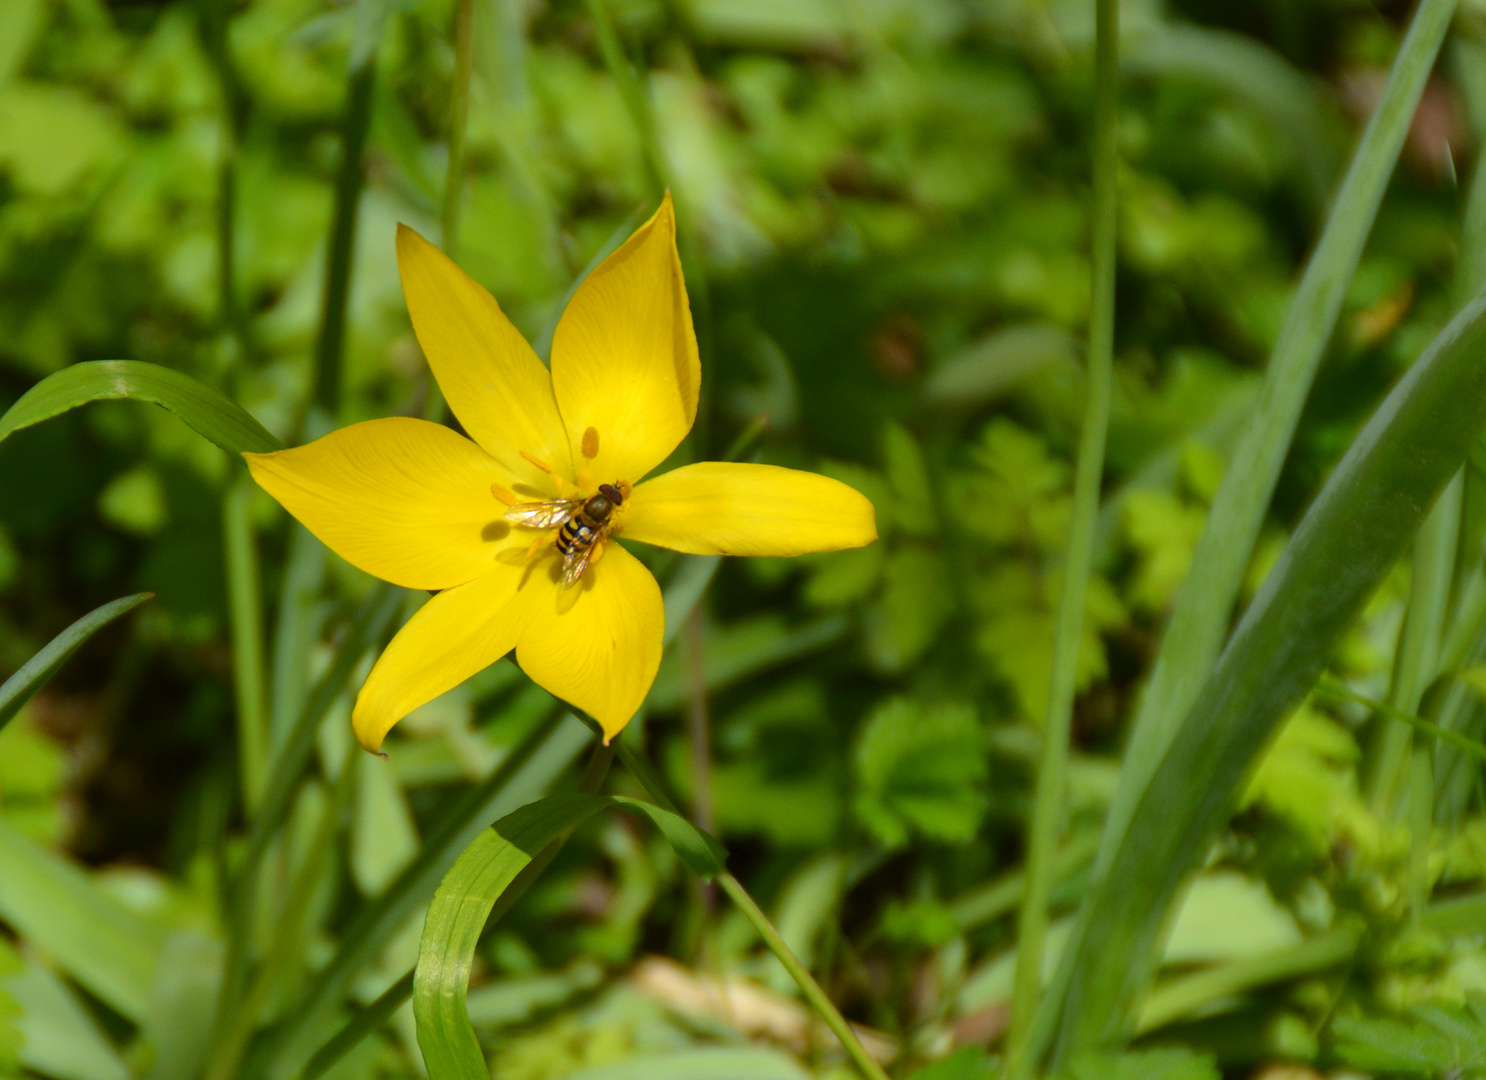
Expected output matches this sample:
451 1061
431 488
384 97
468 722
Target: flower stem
1047 806
760 922
245 607
459 109
330 347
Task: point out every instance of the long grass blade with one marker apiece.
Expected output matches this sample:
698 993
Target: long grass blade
38 671
1047 810
1359 525
204 410
1203 606
1199 620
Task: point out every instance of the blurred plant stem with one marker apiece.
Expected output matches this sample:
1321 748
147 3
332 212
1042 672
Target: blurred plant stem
288 767
459 111
1052 766
635 94
245 607
750 910
330 347
1416 660
285 946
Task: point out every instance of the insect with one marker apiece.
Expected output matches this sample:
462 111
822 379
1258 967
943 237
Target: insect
585 525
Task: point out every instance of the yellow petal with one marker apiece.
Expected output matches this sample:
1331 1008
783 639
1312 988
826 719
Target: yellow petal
457 633
403 499
599 649
718 508
624 358
491 377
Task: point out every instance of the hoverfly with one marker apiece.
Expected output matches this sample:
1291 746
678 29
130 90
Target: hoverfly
585 525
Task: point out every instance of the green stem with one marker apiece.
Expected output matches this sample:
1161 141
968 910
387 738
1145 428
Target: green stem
1417 659
1048 800
760 922
459 108
1329 687
632 92
289 925
330 348
803 979
359 1027
245 608
991 901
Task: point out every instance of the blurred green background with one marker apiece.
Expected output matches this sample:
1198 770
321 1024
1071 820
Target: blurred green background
885 206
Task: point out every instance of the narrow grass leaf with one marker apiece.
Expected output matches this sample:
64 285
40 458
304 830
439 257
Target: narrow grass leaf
1200 617
1355 531
475 882
37 671
204 410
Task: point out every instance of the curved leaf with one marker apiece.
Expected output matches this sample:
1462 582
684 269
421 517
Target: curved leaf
1358 527
37 671
206 412
457 915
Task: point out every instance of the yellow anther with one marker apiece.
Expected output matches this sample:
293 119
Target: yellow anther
505 495
536 546
539 463
591 443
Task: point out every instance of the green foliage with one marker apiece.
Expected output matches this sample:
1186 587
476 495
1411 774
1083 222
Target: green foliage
1172 1064
920 769
1431 1041
884 218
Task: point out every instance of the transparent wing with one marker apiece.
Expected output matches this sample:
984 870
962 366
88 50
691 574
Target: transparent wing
575 562
543 515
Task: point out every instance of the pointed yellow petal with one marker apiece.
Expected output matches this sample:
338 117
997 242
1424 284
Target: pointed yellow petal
457 633
491 377
624 358
599 649
403 499
717 508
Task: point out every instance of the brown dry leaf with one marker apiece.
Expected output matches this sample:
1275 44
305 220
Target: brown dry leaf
745 1006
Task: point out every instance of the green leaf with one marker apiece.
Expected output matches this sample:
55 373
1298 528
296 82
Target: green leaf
1170 1064
711 1063
457 915
1357 528
57 907
994 364
1204 607
37 671
206 412
920 768
967 1063
58 1036
1430 1042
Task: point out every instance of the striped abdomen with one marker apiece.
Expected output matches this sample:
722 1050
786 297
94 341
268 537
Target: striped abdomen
577 533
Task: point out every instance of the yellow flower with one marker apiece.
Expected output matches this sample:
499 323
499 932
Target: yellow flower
421 506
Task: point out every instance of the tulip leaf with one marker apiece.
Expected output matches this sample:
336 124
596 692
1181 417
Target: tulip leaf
470 889
204 410
37 671
1358 527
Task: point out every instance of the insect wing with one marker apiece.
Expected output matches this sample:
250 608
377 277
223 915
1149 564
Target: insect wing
544 515
577 560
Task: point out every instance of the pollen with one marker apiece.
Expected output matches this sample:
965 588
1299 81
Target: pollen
591 443
505 495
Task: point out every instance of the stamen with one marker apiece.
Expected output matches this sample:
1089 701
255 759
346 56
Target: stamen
505 495
591 443
539 463
536 546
